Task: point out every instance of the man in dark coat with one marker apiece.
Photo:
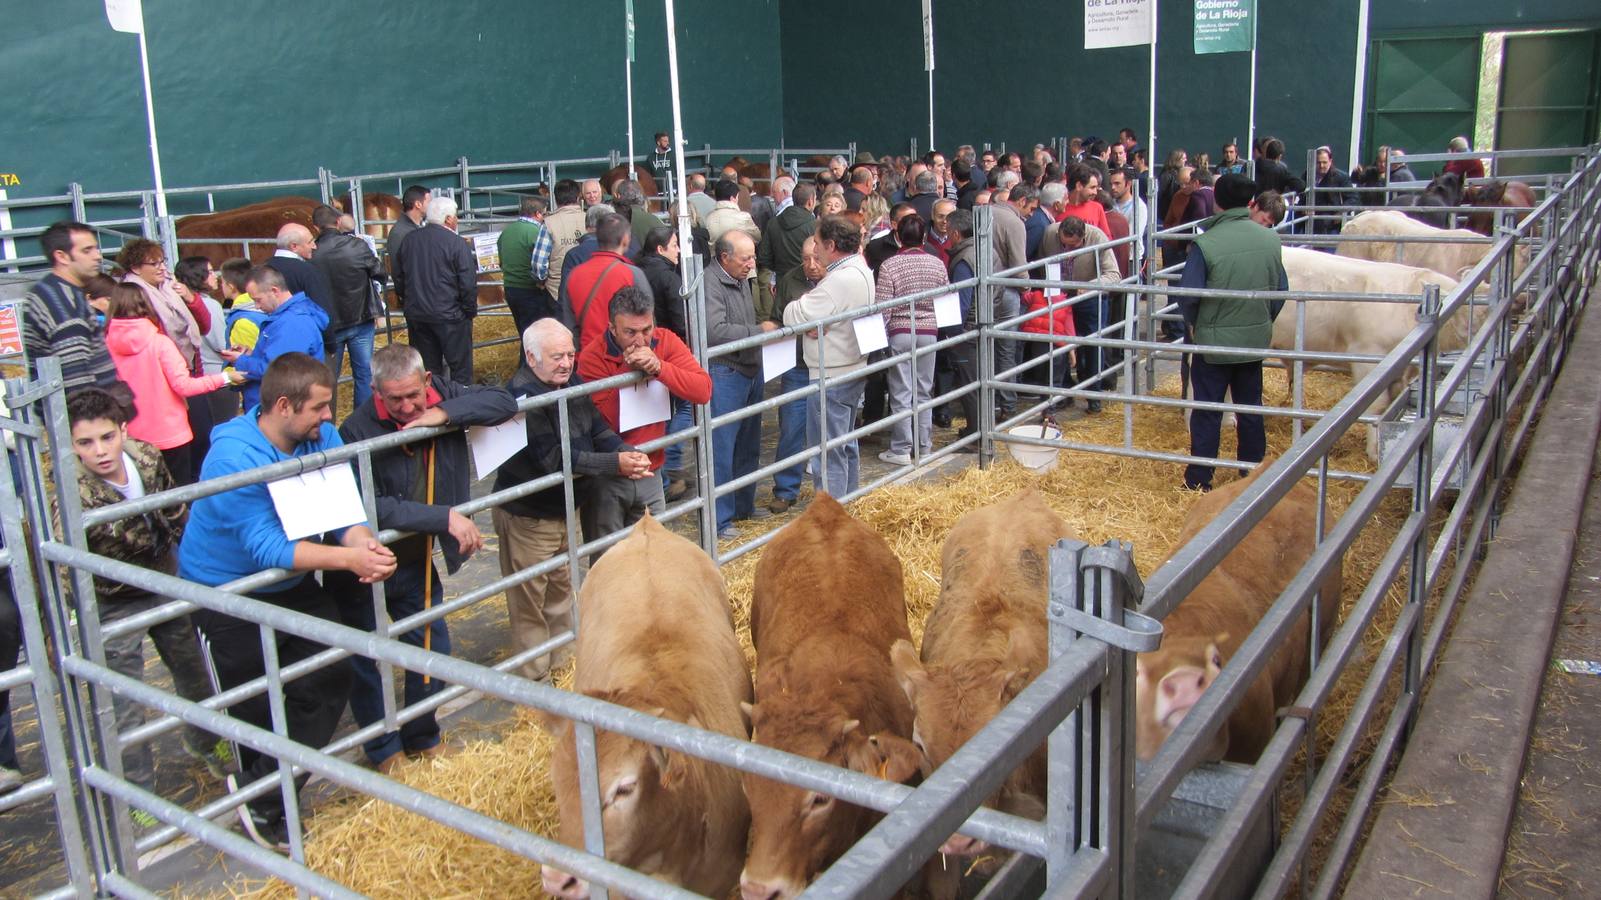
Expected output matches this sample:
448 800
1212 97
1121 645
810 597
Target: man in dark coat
350 268
437 274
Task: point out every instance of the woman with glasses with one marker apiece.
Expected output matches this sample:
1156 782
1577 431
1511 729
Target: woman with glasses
144 265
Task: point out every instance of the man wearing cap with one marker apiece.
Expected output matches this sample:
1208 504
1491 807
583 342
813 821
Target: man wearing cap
1236 254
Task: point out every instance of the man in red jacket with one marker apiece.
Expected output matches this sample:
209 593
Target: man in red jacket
592 283
633 343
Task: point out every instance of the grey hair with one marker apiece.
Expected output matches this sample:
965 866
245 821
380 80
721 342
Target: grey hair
396 362
839 159
1022 192
1052 193
1459 144
784 183
628 193
961 222
439 209
535 336
1006 179
925 182
595 213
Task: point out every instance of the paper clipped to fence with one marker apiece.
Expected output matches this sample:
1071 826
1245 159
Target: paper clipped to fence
947 311
642 404
1053 272
870 334
492 445
318 501
777 358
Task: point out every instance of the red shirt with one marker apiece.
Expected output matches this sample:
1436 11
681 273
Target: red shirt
1092 212
683 376
1467 168
619 273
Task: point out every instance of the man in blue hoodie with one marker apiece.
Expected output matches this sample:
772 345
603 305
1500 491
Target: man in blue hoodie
237 533
294 324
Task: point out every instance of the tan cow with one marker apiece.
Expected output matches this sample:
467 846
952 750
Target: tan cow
829 602
1452 259
1372 329
658 636
1204 631
984 641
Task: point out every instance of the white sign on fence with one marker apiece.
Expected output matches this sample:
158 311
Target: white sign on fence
1116 23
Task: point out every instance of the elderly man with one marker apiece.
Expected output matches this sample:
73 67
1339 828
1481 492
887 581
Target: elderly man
564 228
439 273
939 230
836 167
832 353
292 259
792 415
349 268
925 190
862 182
630 204
699 200
293 324
533 528
592 284
782 193
633 343
525 291
591 192
1089 315
1233 254
736 377
238 533
416 486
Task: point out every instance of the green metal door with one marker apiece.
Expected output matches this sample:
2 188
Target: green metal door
1423 93
1549 96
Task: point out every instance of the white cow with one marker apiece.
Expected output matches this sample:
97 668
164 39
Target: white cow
1451 259
1371 329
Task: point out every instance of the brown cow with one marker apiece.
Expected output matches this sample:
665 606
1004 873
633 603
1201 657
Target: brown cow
984 641
647 179
1208 627
263 219
1497 194
658 636
829 602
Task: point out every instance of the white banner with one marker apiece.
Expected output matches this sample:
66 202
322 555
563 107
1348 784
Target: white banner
126 16
1116 23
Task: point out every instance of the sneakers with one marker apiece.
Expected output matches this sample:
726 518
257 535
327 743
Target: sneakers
269 833
10 780
218 760
895 459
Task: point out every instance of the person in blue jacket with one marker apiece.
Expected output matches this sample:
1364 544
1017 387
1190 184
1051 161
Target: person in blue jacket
294 324
238 533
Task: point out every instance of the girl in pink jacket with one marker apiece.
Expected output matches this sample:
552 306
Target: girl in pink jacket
149 362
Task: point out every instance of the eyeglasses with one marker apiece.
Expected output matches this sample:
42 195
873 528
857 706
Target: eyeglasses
155 263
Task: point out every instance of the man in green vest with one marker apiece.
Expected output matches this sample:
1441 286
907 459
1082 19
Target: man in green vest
525 296
1233 253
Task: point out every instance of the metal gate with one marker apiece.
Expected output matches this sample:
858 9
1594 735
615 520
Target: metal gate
1550 95
1424 92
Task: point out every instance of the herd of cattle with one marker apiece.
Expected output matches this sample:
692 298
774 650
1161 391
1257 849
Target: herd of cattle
837 680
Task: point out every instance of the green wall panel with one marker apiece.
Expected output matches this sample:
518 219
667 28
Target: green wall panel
253 92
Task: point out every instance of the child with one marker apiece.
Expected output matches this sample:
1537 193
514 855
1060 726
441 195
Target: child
111 468
243 322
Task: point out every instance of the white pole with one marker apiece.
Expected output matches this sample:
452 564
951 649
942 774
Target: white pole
931 109
1358 95
1250 123
150 122
1150 125
686 241
928 63
632 175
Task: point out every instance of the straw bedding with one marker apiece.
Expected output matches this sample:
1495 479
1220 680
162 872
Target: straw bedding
384 851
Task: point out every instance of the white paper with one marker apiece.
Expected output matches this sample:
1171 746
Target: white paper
870 333
642 404
1053 272
947 311
317 501
777 358
492 445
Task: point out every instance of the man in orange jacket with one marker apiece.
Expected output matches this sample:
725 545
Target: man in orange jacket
633 343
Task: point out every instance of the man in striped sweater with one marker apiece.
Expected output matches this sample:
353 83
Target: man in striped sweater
57 319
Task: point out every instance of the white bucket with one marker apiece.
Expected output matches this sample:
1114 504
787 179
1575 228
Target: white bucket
1038 459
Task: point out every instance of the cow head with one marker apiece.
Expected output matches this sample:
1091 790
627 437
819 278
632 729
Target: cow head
951 703
643 792
1168 683
796 833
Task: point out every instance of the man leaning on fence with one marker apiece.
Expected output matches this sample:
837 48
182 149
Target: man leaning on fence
1233 253
533 528
238 533
416 486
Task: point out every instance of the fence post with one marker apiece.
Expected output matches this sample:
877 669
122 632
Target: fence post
325 184
1311 196
464 176
1422 486
147 215
167 229
984 308
695 308
75 191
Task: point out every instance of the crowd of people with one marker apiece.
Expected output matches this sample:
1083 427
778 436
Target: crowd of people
198 371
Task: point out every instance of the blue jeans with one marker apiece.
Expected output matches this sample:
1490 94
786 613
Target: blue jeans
737 448
683 419
359 339
839 472
403 596
791 434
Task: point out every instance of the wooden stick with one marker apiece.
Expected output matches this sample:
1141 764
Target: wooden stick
428 566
